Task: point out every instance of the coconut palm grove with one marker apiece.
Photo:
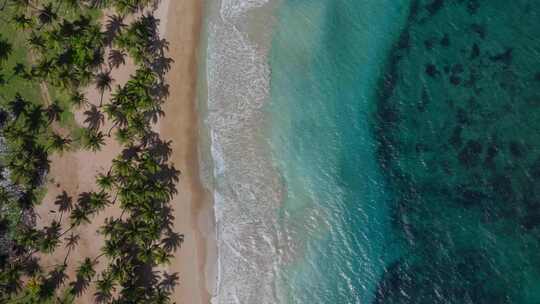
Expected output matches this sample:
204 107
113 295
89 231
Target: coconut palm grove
50 52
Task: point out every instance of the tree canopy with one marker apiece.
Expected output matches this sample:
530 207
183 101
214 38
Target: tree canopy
70 50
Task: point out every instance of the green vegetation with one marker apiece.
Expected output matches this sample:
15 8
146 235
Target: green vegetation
68 51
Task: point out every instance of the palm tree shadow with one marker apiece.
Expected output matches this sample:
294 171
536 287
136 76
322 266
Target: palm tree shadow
158 148
169 281
79 286
31 266
172 241
162 65
64 202
55 279
130 152
116 58
114 25
170 176
84 200
161 150
147 276
168 217
94 118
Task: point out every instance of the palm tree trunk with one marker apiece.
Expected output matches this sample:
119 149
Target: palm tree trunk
67 255
96 259
101 99
110 130
68 230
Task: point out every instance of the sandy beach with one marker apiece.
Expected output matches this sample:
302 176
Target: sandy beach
193 207
74 172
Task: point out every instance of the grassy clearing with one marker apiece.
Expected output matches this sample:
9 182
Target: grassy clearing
31 90
28 89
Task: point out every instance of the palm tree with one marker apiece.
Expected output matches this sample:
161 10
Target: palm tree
161 297
22 22
78 216
71 241
85 273
93 140
105 182
122 167
18 106
111 249
46 14
136 40
5 49
104 288
116 114
36 42
11 279
98 201
36 120
51 237
78 99
59 143
19 69
86 269
116 58
45 69
54 111
103 82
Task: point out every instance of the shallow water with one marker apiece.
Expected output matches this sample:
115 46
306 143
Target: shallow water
335 221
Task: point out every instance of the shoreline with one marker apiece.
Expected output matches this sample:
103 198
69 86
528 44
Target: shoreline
194 215
246 187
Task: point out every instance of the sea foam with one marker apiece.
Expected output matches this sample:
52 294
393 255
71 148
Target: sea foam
246 189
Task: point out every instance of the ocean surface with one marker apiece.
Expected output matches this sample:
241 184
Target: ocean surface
375 151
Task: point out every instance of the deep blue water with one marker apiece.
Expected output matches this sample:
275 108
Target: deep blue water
407 135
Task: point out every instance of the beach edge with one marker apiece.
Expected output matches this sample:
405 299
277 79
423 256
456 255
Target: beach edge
194 217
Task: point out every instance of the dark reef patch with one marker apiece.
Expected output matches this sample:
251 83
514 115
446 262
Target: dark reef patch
434 6
505 57
479 29
458 130
445 41
431 70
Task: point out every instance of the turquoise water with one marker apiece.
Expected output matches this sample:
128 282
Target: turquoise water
407 134
326 58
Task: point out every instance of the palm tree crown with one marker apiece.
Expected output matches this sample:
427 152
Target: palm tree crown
5 49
